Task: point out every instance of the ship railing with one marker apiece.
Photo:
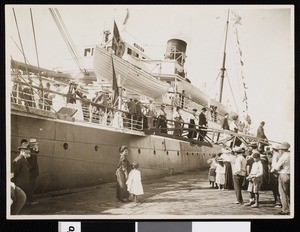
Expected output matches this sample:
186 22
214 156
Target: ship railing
84 110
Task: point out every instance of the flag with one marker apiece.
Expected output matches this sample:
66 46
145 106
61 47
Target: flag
126 17
117 43
237 18
115 87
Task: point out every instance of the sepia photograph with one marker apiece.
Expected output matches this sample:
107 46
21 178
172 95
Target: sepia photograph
150 111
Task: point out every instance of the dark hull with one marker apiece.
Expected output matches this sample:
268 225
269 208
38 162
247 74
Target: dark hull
81 164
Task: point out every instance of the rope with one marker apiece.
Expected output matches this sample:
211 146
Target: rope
35 44
23 53
232 93
19 48
64 33
76 53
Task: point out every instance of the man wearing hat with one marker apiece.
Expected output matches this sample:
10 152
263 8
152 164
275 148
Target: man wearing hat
34 169
21 169
162 119
261 135
275 155
283 168
239 173
192 125
202 124
178 122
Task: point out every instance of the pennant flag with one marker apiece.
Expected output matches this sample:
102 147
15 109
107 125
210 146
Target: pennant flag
117 43
126 17
115 87
240 51
237 18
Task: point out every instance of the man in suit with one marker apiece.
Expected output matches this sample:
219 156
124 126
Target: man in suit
21 169
202 124
192 125
34 169
225 124
261 135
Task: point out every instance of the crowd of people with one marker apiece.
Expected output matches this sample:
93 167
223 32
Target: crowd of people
253 169
250 169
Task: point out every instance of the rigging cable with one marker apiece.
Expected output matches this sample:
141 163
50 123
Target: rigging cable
71 41
23 53
35 44
62 29
19 48
232 94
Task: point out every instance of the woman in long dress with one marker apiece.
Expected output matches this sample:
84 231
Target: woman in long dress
122 175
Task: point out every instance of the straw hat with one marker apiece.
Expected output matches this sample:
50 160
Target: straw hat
284 146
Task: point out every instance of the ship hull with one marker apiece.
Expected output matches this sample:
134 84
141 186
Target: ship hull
73 155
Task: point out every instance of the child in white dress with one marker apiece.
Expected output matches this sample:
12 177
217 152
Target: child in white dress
134 182
220 173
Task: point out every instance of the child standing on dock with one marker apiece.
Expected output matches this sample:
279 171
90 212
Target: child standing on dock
220 173
134 182
255 180
212 170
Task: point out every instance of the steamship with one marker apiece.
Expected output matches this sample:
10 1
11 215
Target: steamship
79 145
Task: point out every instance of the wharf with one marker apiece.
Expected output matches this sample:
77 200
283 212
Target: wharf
181 196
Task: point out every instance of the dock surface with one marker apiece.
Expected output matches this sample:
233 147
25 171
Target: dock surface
185 195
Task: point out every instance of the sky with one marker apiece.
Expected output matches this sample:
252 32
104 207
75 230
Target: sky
265 34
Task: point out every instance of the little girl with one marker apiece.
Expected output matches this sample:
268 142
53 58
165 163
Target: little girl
134 183
212 170
220 173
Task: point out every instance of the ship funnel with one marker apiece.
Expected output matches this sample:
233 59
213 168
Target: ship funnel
176 49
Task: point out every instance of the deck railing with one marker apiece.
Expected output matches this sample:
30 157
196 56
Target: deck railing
42 99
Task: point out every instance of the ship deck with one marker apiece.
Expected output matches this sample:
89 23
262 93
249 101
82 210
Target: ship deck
181 196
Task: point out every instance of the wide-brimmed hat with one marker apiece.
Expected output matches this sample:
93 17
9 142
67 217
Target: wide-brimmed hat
256 155
275 147
122 148
204 109
163 105
239 150
284 146
33 141
23 146
24 141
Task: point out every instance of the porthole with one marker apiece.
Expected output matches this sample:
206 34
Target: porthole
178 153
192 153
96 148
66 146
187 153
154 152
139 151
167 153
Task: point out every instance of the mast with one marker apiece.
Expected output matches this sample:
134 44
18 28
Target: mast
223 69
